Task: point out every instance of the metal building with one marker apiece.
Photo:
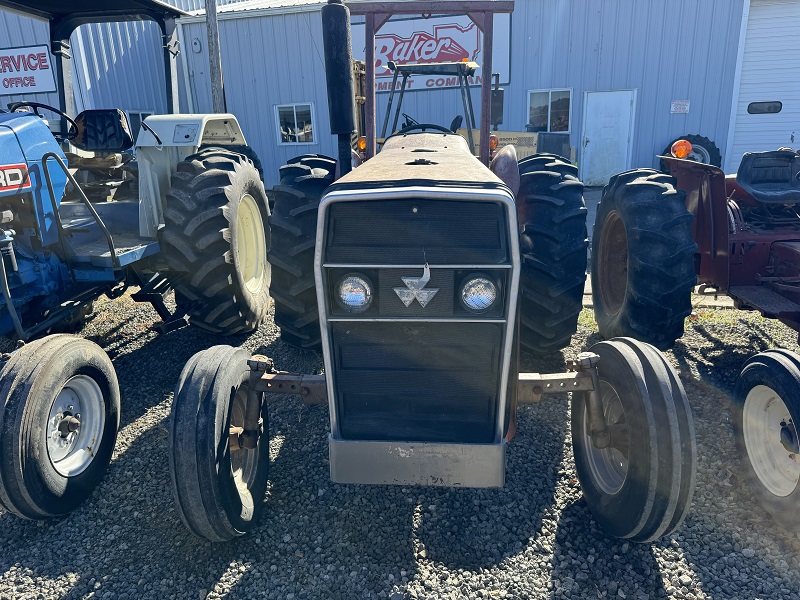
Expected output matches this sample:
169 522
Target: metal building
624 77
620 78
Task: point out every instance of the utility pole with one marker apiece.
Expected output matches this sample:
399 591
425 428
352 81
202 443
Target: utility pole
214 58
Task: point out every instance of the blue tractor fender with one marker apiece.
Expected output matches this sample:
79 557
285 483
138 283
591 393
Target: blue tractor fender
24 140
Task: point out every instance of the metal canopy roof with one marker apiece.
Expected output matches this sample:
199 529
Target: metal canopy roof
92 11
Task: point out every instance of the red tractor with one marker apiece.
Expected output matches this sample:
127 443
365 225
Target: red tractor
657 235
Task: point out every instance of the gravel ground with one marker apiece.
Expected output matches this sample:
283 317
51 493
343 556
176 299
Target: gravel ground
535 538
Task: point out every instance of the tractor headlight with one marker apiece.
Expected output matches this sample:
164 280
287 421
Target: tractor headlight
478 293
354 293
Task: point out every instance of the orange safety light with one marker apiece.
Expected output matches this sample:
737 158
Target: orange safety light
493 142
681 149
361 144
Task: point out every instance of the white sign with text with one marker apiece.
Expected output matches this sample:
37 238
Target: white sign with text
26 70
450 38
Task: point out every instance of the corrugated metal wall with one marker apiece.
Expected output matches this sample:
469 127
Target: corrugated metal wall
676 50
114 64
266 61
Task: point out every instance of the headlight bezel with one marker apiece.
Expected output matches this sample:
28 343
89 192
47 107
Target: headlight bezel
370 293
472 278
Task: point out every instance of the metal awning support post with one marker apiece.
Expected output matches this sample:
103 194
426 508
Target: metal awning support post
481 12
169 33
369 103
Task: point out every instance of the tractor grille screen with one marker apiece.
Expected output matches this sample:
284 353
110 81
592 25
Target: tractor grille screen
416 231
415 381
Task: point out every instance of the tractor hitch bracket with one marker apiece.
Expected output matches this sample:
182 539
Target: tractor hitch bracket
582 376
264 379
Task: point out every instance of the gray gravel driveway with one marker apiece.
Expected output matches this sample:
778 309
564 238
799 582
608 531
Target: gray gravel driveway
533 539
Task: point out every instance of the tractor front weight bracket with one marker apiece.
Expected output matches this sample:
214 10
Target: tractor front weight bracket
264 379
581 377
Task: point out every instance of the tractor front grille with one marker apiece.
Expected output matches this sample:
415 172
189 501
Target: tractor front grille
416 373
416 231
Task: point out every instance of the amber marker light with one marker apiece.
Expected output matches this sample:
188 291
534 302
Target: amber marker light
493 142
681 149
361 144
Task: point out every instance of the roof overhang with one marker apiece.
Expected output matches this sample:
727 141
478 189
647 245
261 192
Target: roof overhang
66 16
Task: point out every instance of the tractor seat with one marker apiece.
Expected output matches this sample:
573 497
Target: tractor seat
103 130
771 177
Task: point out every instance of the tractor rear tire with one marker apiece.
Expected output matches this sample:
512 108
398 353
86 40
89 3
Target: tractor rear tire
703 150
766 422
294 234
642 259
553 250
641 486
216 233
245 151
58 426
218 489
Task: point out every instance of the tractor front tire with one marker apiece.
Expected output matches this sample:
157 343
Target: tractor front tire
215 232
294 234
642 259
553 250
766 423
58 425
218 486
641 485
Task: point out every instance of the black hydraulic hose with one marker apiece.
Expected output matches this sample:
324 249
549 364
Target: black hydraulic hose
12 311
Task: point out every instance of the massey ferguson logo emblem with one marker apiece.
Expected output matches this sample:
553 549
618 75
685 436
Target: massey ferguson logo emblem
415 289
423 47
14 177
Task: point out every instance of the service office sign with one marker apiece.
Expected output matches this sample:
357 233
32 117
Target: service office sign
450 38
26 70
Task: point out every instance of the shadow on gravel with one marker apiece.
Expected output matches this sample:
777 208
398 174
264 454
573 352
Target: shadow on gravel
586 562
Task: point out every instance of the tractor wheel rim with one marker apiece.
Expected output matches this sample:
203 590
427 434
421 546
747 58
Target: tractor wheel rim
699 154
252 244
608 466
72 449
763 412
613 264
244 461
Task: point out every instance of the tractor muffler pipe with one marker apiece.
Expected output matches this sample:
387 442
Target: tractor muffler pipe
339 76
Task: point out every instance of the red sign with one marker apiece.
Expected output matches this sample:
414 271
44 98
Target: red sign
14 177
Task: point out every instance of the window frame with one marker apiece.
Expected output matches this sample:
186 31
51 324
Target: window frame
294 105
774 112
549 92
142 114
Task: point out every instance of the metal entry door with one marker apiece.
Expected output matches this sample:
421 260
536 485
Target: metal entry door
607 138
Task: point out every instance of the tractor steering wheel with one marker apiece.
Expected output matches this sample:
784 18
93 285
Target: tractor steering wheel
421 127
72 132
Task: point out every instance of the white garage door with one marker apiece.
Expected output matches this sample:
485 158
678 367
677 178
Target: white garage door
768 112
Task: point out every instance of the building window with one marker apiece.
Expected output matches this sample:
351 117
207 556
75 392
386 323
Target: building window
549 110
135 118
295 124
764 108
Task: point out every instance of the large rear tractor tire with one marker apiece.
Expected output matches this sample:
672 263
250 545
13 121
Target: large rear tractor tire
640 487
642 259
216 233
553 245
59 422
294 234
703 151
218 487
767 415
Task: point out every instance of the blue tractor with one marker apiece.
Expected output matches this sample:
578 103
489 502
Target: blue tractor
82 215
